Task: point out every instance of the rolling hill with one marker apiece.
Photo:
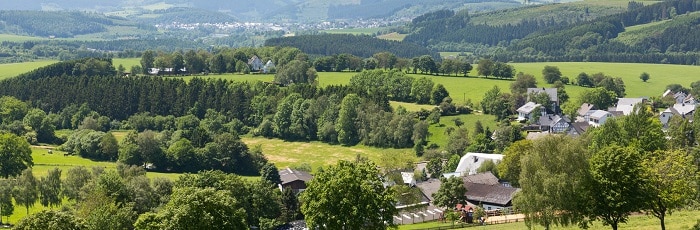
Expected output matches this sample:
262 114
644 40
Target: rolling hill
281 10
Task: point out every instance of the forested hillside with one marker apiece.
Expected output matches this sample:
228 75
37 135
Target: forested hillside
582 37
358 45
59 24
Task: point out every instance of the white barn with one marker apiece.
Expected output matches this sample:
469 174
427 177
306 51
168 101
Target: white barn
470 162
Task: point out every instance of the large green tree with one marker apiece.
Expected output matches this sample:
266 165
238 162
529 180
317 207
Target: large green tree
196 208
346 126
510 168
6 205
76 178
450 193
618 182
50 189
25 190
15 155
551 74
50 220
349 195
147 59
671 177
553 179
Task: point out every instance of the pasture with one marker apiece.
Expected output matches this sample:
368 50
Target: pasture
14 69
291 154
19 38
678 220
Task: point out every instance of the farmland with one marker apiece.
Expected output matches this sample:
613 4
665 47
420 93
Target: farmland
679 220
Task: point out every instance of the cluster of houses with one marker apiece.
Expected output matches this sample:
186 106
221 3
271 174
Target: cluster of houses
255 64
548 119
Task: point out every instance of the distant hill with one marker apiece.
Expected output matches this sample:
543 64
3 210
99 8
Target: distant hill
660 32
277 10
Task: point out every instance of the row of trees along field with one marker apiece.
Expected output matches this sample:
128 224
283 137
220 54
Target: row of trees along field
200 111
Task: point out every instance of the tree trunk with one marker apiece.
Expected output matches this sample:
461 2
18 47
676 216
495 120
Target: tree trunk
662 217
614 226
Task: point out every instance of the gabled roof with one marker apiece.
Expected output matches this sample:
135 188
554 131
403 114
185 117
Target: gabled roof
289 175
625 105
494 194
598 114
585 108
666 93
552 92
684 109
254 58
482 178
549 120
580 127
429 187
407 178
528 108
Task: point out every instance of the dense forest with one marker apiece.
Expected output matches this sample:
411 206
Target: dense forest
44 24
358 45
577 39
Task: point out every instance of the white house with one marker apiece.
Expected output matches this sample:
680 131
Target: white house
598 117
625 105
680 109
525 112
408 179
585 111
470 162
268 67
255 63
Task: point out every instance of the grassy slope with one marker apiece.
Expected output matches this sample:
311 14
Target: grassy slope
596 8
679 220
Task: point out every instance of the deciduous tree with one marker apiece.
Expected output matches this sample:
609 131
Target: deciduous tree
349 195
50 189
450 193
670 182
617 177
15 155
25 190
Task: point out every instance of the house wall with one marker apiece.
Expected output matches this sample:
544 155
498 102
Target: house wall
665 118
296 185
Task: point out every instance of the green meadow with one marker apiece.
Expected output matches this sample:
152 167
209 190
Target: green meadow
354 31
678 220
14 69
317 154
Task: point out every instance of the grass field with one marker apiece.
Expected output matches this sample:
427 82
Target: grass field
14 69
354 31
19 38
126 62
679 220
661 75
437 131
317 154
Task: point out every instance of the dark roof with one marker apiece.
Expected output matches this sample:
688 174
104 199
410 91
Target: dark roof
580 127
493 194
482 178
289 175
429 187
